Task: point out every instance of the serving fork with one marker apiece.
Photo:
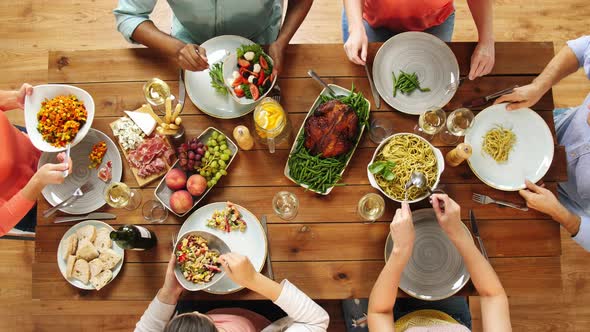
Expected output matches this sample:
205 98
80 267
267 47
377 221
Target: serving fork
86 187
483 199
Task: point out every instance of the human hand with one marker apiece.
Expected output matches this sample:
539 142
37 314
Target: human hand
448 214
238 268
541 199
50 174
25 90
357 43
61 157
524 96
192 57
482 59
171 290
402 230
276 51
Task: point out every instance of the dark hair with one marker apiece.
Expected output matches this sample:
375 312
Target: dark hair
190 322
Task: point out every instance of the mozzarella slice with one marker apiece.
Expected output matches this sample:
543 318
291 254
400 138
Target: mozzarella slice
143 121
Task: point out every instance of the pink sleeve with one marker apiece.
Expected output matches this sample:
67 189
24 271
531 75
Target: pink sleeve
12 211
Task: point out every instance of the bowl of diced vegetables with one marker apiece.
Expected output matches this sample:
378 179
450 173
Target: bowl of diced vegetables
197 259
248 74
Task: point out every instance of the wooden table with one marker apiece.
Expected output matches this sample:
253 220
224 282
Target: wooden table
326 250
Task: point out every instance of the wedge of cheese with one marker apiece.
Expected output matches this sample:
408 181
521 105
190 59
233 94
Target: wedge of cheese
143 120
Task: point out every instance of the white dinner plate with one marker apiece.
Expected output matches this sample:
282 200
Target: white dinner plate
424 54
198 83
92 200
62 263
251 243
530 158
436 269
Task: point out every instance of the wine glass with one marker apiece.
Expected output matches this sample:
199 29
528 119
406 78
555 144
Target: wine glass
119 195
430 123
457 124
371 207
380 129
154 211
285 204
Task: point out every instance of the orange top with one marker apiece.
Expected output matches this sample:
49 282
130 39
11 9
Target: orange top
18 163
407 15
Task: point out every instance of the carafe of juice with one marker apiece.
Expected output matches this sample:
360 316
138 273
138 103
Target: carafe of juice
271 123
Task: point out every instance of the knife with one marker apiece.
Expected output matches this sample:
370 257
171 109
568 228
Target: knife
92 216
484 100
373 89
181 88
476 233
268 260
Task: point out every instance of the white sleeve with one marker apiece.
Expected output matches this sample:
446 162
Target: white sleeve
304 313
156 316
583 236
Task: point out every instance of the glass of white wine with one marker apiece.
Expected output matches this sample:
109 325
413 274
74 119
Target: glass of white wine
430 123
371 207
119 195
457 124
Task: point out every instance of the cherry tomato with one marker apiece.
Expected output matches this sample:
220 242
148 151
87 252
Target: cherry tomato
254 91
263 63
239 91
261 78
238 81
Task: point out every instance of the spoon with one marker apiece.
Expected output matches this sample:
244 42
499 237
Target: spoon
315 76
418 180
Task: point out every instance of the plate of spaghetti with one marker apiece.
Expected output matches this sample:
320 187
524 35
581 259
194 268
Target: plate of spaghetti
509 147
401 154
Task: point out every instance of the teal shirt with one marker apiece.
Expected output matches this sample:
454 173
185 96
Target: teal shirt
195 21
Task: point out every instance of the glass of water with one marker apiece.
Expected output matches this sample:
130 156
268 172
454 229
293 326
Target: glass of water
154 211
430 123
380 129
285 204
457 124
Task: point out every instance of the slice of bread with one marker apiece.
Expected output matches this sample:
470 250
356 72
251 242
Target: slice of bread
103 239
70 266
86 250
101 279
81 271
87 232
70 245
110 258
96 267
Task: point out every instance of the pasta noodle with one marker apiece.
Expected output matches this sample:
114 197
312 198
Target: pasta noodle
410 154
498 142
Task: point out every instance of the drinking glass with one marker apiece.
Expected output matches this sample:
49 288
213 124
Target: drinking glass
285 204
380 129
371 207
155 92
457 124
154 211
119 195
430 123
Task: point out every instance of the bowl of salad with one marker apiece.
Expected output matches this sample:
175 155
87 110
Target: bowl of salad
197 259
248 74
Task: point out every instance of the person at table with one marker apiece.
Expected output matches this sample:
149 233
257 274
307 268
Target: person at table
20 181
385 314
303 313
194 22
572 126
378 20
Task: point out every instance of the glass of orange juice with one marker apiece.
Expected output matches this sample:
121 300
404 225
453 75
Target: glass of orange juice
271 123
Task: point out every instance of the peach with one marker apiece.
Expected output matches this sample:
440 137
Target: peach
176 179
181 201
196 185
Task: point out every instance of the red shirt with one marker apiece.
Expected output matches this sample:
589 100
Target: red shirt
407 15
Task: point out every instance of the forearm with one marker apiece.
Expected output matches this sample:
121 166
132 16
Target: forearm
567 219
483 16
354 14
262 285
168 296
562 65
8 100
13 211
384 292
296 12
149 35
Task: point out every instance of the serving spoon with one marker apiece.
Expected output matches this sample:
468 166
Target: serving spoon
315 76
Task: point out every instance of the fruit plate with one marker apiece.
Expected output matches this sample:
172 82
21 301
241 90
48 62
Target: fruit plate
163 193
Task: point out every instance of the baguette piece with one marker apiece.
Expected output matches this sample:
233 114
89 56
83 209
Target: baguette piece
96 267
70 245
81 271
101 279
70 266
103 239
110 258
87 232
86 250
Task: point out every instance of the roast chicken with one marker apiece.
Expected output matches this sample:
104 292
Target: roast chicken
331 130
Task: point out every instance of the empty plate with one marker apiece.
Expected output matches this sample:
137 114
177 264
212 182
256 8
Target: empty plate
436 269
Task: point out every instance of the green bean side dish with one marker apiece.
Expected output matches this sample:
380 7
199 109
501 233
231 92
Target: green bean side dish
406 83
318 173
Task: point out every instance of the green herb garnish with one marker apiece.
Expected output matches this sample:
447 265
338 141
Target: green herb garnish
216 74
385 168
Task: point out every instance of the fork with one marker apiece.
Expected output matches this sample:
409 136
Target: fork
483 199
70 200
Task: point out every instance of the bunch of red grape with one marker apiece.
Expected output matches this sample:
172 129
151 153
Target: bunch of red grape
190 154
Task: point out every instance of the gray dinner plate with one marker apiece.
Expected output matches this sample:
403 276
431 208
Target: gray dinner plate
424 54
92 200
436 269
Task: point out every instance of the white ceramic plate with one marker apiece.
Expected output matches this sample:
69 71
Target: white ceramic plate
33 106
62 263
530 158
251 243
92 200
198 84
429 57
436 269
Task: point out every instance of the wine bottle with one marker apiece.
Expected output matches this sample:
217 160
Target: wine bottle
134 237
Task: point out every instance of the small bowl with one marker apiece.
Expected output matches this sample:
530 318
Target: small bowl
48 91
440 161
230 64
214 242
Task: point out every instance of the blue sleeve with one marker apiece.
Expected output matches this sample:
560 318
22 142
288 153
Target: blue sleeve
581 48
583 236
582 175
131 13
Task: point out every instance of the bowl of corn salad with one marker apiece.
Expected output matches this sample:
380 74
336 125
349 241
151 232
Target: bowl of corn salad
57 115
